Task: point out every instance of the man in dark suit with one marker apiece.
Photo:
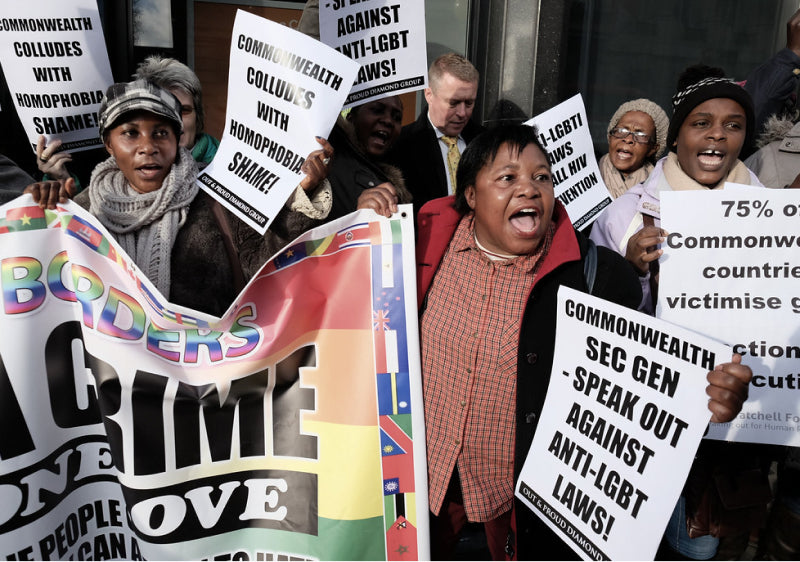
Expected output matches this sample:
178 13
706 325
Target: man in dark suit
423 151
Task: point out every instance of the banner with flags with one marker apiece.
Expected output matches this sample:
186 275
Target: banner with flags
289 429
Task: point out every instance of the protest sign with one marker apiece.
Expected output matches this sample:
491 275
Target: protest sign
55 62
386 37
291 428
284 89
625 411
730 269
564 134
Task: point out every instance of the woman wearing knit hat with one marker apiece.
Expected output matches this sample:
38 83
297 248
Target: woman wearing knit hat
712 121
147 196
637 137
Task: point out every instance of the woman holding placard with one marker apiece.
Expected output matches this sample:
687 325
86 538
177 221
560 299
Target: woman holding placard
713 121
146 195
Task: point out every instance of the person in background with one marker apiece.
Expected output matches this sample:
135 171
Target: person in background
773 84
428 150
777 160
712 122
637 137
184 84
490 261
146 195
777 165
12 177
358 171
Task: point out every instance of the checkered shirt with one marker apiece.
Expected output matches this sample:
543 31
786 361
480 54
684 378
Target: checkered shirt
469 337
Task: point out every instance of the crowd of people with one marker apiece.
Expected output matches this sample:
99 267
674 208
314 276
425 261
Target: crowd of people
493 247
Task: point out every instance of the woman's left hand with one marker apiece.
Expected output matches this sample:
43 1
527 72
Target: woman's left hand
47 194
728 389
316 165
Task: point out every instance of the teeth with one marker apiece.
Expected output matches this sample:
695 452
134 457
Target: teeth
712 152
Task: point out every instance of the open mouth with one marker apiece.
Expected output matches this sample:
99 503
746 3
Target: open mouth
525 220
381 136
711 159
149 169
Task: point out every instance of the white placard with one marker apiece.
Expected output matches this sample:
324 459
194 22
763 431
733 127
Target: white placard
625 411
564 133
731 269
284 88
387 38
55 62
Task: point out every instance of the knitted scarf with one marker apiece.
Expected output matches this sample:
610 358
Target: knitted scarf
617 182
145 224
678 180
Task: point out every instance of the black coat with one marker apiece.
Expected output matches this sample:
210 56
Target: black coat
418 155
616 282
352 171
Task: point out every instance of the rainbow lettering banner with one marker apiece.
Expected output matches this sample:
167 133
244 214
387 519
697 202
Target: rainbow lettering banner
289 429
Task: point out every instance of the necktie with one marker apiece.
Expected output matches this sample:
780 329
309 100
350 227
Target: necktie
453 155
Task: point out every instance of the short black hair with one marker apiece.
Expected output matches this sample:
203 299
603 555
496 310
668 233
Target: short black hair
484 148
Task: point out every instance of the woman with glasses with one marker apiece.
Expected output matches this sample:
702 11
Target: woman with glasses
712 122
637 136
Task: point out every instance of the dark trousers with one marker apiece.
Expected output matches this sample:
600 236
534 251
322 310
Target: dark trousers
447 526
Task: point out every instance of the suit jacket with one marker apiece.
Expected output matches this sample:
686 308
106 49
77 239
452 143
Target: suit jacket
418 155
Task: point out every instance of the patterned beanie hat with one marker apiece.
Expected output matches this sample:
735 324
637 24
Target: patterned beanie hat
685 100
139 95
655 112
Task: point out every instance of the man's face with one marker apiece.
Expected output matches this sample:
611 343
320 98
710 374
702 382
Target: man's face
513 201
451 103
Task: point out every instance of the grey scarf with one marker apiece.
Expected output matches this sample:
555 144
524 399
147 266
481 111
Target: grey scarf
145 224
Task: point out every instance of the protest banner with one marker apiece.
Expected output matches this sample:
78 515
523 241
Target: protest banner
284 89
625 411
56 66
730 270
291 428
386 37
564 134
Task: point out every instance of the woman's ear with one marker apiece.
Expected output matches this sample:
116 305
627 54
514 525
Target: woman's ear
653 150
107 144
469 195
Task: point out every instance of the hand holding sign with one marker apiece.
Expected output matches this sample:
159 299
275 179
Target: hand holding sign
728 388
315 167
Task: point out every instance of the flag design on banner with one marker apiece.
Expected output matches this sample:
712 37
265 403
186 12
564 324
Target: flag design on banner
274 432
400 540
30 217
394 394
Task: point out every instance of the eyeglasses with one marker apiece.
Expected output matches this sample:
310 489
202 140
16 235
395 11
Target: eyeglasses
638 136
